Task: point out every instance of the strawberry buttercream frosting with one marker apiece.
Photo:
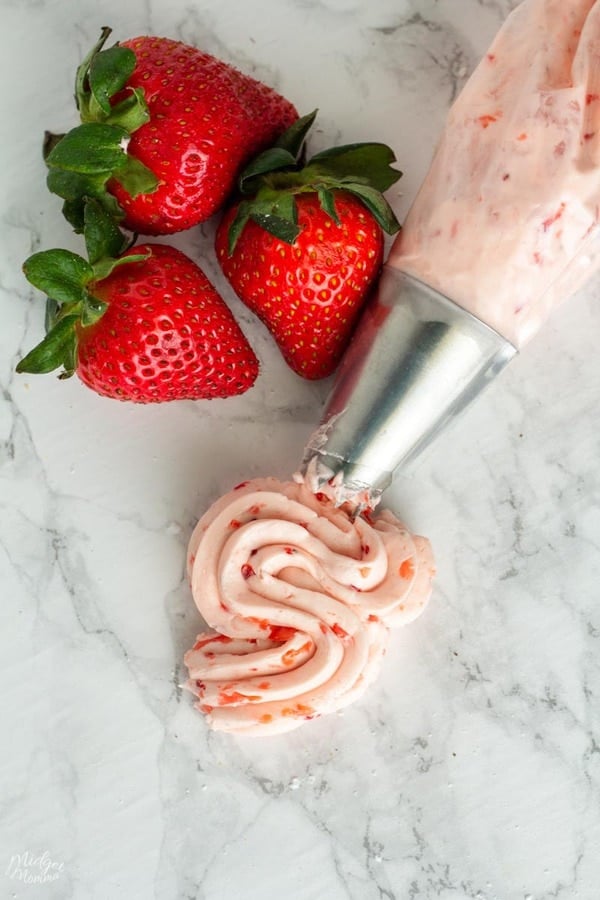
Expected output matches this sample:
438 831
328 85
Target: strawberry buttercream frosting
300 595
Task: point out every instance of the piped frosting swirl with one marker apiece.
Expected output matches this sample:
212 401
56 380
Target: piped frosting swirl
301 596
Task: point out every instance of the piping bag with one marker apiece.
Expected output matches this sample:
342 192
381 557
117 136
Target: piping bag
504 227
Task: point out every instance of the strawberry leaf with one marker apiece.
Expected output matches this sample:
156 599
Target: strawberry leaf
49 143
279 227
51 315
90 149
59 273
327 201
69 357
272 160
72 185
276 212
102 236
293 138
376 204
92 310
237 226
280 207
273 211
104 267
73 211
130 113
283 155
57 349
108 73
366 163
76 190
136 178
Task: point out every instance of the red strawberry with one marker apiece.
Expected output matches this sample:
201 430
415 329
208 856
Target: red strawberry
146 327
304 251
166 334
169 128
308 293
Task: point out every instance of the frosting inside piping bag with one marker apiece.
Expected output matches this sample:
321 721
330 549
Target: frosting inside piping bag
506 222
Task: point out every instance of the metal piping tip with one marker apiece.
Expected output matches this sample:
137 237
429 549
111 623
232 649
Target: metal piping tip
416 361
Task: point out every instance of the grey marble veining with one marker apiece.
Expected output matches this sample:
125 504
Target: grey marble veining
472 769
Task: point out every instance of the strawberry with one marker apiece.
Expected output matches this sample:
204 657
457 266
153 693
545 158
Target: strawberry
304 245
145 325
165 130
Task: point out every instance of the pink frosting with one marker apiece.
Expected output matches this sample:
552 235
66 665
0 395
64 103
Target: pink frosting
507 220
300 597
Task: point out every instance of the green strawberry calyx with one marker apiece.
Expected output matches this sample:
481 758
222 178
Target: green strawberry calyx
83 161
271 182
68 281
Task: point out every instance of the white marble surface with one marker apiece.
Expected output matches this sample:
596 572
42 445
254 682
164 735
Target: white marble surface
472 769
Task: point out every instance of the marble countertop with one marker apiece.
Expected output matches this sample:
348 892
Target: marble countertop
472 768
